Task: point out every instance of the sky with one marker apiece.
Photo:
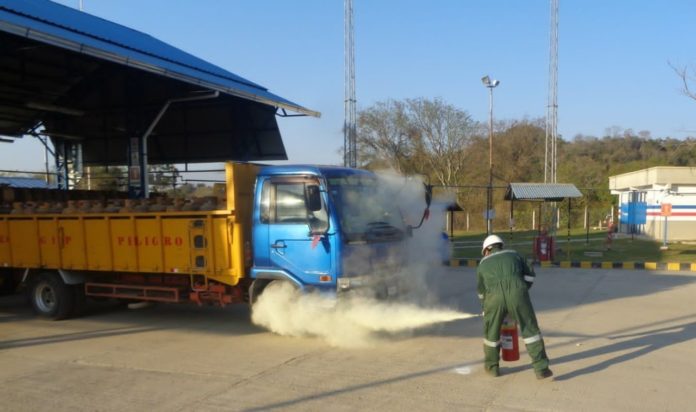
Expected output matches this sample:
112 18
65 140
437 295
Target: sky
613 60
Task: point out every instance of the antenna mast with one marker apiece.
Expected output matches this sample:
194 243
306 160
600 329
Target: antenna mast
350 157
550 157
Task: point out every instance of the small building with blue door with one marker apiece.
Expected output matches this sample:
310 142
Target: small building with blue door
652 198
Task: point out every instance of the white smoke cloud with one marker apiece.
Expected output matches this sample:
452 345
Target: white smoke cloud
427 248
350 322
358 320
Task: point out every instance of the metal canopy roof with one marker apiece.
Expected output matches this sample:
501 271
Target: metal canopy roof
24 182
541 191
83 78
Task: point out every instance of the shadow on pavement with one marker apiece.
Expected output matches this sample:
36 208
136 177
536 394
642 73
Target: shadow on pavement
638 344
353 388
71 337
230 320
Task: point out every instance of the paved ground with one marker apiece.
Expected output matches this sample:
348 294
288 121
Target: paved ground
618 340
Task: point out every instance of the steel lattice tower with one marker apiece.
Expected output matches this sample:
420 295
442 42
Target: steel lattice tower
350 156
550 157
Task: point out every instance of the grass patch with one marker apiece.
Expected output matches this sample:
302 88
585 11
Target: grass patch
581 247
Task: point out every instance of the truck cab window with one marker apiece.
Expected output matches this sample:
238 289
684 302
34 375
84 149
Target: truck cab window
284 201
366 214
265 210
290 204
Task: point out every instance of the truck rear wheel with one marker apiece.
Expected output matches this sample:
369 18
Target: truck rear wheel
8 285
50 297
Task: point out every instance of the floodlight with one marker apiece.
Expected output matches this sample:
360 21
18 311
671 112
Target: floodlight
488 82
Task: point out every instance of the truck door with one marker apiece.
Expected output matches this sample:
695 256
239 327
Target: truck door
292 247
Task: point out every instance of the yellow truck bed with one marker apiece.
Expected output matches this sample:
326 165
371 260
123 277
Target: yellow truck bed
209 243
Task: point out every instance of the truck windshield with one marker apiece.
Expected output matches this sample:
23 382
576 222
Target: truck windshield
366 211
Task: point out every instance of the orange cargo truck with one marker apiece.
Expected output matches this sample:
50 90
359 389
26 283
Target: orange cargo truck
319 228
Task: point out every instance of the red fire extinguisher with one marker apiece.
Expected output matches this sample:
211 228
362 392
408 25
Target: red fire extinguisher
509 341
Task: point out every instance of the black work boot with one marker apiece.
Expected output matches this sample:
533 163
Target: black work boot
493 372
544 373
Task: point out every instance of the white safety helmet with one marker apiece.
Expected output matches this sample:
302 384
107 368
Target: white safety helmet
490 241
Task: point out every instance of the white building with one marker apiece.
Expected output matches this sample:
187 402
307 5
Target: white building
647 194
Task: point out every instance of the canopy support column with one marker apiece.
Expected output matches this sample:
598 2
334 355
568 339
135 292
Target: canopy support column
138 178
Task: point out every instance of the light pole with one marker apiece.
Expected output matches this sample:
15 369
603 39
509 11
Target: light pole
490 84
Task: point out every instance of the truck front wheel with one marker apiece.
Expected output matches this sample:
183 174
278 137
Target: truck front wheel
50 297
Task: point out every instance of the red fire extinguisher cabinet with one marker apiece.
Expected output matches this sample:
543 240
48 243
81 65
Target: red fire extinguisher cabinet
544 246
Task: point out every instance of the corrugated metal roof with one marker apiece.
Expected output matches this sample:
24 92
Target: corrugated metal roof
25 183
67 28
541 191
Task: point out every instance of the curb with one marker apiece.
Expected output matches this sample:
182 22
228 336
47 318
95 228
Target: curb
567 264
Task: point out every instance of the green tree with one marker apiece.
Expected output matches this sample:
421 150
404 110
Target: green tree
103 178
688 78
425 136
163 177
444 134
385 136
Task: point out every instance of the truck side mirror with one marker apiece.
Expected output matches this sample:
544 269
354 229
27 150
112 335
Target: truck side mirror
313 197
318 227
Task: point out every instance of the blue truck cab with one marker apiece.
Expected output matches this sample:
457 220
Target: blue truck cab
325 228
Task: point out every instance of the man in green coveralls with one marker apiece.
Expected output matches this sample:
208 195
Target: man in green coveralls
503 280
